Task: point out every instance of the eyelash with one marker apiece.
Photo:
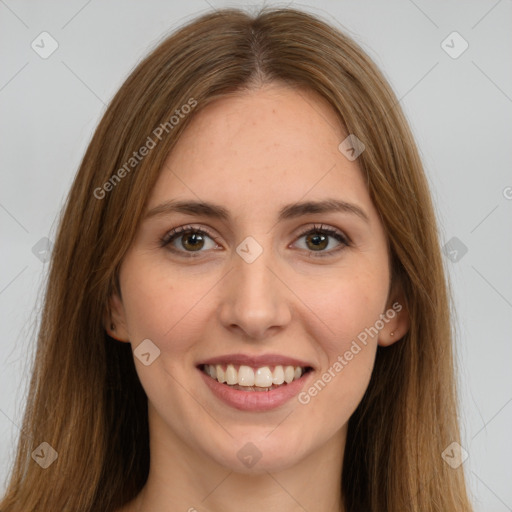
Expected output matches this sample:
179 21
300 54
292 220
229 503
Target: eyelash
316 229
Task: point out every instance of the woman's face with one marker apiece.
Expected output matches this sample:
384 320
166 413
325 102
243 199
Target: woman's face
251 294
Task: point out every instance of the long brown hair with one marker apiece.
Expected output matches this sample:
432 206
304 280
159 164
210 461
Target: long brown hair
85 398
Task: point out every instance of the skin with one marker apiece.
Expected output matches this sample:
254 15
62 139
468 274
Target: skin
253 153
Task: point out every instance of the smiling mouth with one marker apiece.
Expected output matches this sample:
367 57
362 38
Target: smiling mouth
247 378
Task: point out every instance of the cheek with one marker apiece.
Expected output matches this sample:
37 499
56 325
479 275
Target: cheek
335 392
160 305
348 309
168 309
347 348
347 306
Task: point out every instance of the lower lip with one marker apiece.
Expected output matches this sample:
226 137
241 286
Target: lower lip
255 400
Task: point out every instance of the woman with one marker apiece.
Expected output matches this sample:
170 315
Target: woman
247 307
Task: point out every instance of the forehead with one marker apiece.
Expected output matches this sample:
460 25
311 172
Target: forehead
263 148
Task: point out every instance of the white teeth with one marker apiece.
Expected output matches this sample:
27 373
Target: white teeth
278 376
263 377
231 375
221 374
289 373
246 376
249 377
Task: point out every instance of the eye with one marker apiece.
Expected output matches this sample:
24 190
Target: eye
317 239
187 239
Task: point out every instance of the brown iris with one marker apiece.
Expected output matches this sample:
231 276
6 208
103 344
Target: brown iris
192 241
318 240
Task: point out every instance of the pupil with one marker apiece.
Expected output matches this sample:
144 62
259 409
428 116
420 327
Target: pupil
196 241
318 240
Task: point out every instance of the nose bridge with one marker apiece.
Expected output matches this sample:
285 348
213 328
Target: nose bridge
252 261
255 284
253 277
255 299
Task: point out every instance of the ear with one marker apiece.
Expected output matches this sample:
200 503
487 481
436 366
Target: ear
115 319
396 319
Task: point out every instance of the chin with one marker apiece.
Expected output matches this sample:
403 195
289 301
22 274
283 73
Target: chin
260 453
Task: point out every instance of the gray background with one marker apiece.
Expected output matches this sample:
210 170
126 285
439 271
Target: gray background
460 110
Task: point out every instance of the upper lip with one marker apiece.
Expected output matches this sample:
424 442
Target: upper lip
256 361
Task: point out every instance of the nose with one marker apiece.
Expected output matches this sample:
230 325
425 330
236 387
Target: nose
255 300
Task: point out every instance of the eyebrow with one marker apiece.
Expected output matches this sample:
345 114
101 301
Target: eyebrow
291 211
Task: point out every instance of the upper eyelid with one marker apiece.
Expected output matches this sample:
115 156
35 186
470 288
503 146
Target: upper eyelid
181 230
323 227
